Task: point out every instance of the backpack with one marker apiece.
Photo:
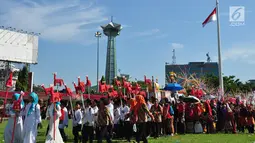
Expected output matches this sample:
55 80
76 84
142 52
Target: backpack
171 111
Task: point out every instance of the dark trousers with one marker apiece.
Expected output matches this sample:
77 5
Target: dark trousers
117 131
166 127
149 128
87 134
104 133
175 125
141 132
251 128
242 129
156 129
76 131
120 128
97 132
63 134
181 127
110 130
128 130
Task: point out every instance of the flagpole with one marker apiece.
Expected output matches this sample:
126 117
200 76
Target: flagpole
221 90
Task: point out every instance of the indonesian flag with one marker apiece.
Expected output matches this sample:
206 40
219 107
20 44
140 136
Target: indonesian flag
212 17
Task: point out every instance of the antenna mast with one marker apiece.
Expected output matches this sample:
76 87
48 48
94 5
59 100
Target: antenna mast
174 57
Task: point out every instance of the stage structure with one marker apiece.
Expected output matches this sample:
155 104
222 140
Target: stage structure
17 46
111 30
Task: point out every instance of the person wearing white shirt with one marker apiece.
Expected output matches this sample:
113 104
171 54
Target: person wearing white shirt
32 116
116 121
126 125
88 123
110 108
64 120
149 122
77 122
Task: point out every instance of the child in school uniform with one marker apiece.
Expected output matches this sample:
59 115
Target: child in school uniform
77 122
88 123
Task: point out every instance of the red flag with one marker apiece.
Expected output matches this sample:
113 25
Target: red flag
9 81
212 17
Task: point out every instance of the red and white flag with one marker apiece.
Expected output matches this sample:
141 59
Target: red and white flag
212 17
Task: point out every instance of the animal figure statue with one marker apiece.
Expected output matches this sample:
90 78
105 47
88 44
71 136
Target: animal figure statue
125 83
172 77
129 89
54 96
57 81
136 88
76 88
48 91
103 87
88 82
117 82
148 83
81 85
112 92
68 91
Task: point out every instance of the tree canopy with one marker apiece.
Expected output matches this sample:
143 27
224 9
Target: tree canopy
22 82
232 84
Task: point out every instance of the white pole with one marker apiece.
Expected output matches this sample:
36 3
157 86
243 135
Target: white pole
70 99
82 100
219 52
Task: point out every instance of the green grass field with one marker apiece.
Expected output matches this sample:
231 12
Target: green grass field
188 138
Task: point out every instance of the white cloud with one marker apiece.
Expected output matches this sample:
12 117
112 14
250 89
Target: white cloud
61 20
177 45
125 26
148 32
240 52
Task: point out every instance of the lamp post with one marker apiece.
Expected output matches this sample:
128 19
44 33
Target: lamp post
98 35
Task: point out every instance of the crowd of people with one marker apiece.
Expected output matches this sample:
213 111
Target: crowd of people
125 118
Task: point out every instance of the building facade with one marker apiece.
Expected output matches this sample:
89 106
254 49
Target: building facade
196 68
252 81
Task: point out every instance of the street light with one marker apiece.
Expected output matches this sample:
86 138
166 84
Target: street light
98 35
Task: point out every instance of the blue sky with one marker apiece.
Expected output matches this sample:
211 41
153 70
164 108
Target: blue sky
151 29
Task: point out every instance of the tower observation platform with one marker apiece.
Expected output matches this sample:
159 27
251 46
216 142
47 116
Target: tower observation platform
111 30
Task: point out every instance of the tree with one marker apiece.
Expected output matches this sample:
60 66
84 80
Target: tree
211 81
232 84
142 84
37 88
22 82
